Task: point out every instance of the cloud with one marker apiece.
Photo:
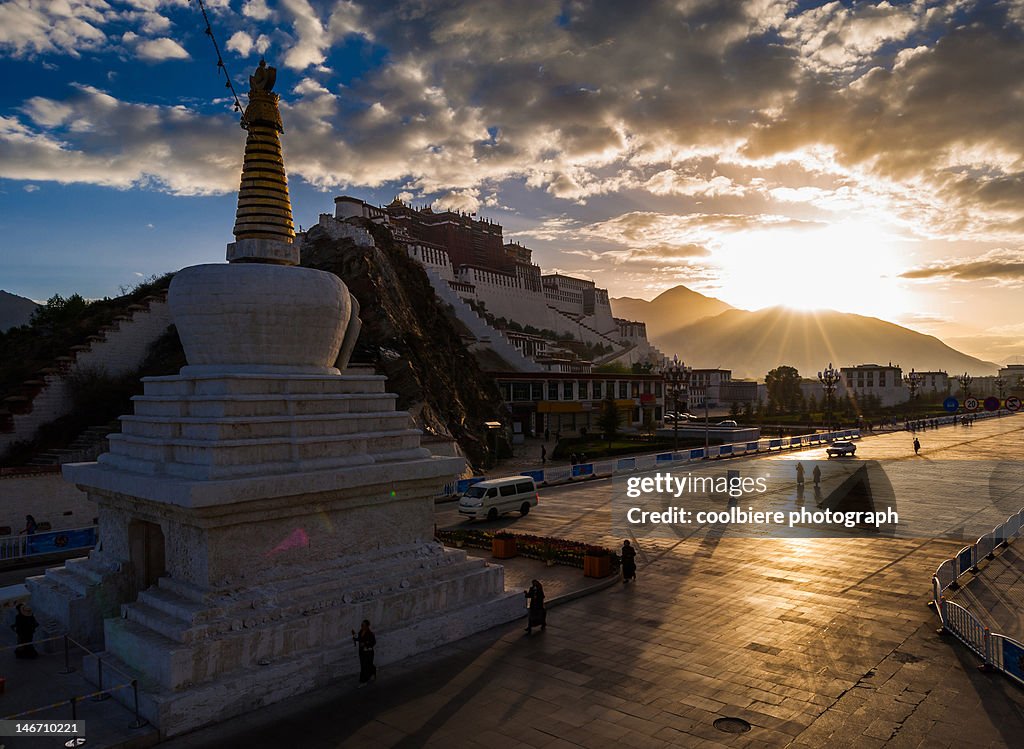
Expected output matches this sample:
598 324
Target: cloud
160 50
244 44
256 10
31 188
102 140
1002 266
32 27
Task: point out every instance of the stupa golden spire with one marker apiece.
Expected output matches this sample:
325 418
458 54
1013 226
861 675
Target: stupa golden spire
264 208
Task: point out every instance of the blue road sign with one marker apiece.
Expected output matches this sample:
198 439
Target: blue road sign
951 404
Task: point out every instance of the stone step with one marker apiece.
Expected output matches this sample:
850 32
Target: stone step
262 427
239 406
161 622
164 599
228 385
260 451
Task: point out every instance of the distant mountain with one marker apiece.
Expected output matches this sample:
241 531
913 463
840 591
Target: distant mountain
669 310
14 310
751 343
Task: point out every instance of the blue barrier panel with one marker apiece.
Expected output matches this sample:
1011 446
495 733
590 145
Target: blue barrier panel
698 453
463 484
586 469
965 560
663 457
1013 658
679 456
625 464
752 446
795 441
774 443
537 476
53 541
725 449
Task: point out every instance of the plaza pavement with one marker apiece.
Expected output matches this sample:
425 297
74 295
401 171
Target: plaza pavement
823 642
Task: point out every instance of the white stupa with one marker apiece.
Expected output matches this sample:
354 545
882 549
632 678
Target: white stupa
261 503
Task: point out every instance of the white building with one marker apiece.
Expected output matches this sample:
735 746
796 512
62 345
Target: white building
884 382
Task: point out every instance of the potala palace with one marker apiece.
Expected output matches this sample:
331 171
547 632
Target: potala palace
532 321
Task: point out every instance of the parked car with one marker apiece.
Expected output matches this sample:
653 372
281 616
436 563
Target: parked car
488 499
727 423
843 447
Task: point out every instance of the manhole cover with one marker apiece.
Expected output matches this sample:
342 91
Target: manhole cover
732 725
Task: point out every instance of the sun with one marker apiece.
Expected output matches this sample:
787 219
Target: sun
851 267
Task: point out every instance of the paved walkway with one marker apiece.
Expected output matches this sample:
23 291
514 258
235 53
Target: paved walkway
813 642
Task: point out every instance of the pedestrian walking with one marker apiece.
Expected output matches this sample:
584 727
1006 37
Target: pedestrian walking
572 459
365 642
799 474
543 455
31 526
917 446
24 627
628 562
817 475
547 435
583 458
538 614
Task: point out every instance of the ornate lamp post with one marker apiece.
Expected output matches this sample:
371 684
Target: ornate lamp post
913 381
829 378
677 378
965 381
1000 383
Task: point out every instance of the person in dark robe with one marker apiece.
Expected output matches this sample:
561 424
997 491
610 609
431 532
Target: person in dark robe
365 642
538 615
628 562
25 626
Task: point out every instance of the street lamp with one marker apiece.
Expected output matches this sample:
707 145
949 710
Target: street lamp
829 378
677 377
965 381
1000 384
913 381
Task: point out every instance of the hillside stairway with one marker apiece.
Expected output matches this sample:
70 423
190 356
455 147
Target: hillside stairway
577 320
85 447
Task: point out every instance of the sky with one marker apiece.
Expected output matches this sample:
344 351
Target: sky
860 156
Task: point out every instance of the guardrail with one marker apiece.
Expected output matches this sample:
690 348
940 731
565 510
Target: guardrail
634 463
96 696
48 542
998 652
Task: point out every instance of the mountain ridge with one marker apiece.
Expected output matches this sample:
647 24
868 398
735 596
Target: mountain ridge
750 343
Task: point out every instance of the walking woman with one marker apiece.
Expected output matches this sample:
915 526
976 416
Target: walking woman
365 642
538 615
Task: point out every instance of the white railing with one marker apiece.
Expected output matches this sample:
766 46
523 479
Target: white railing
639 463
998 651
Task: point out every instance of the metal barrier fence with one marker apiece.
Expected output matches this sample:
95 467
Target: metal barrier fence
638 463
48 542
96 696
998 652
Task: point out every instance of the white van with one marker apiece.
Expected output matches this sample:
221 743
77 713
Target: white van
488 499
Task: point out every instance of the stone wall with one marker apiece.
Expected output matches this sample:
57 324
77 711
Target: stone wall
47 497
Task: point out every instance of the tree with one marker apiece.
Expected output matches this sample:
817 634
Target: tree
748 412
609 418
734 410
812 404
783 384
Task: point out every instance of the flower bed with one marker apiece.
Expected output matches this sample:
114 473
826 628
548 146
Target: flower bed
559 550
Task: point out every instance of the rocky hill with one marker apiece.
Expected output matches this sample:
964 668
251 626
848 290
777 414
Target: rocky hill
670 310
410 337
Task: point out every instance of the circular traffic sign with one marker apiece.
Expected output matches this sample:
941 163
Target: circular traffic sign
951 404
971 404
991 403
1013 403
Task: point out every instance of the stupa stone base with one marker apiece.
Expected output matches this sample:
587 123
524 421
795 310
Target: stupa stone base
248 523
